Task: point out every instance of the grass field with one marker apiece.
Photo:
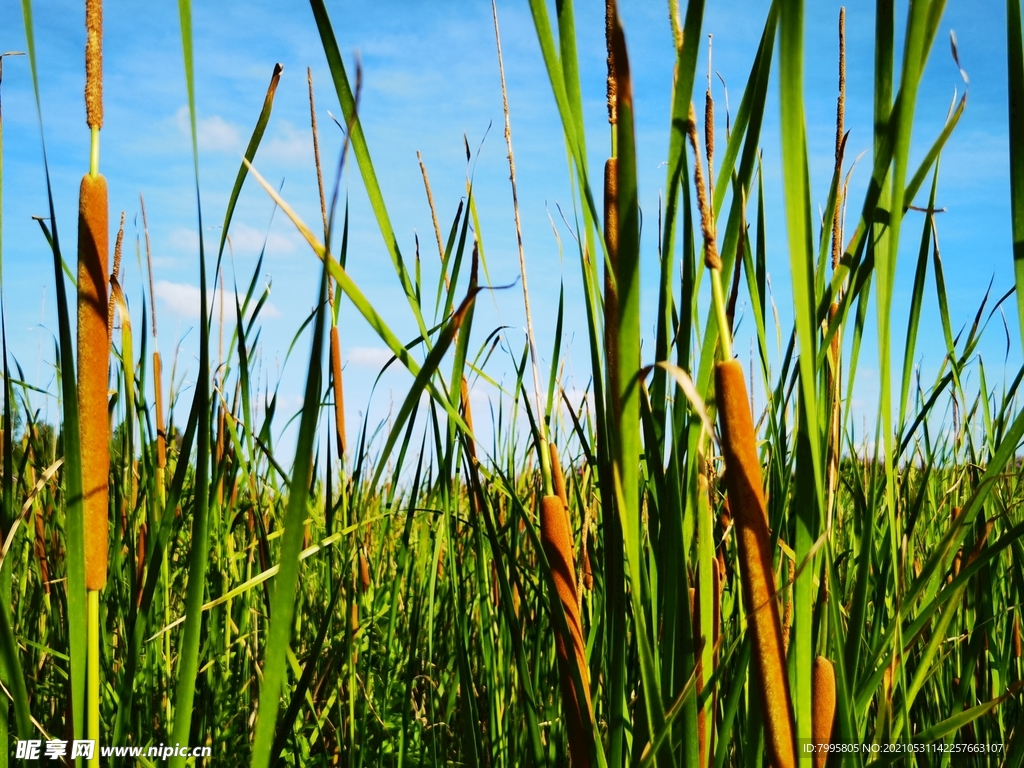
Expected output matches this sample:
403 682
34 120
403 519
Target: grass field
652 574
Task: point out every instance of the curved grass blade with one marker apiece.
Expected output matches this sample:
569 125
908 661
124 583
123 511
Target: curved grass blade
250 153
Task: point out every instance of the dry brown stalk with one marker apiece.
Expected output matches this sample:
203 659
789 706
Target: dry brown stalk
556 537
709 129
93 372
743 481
707 221
114 277
823 707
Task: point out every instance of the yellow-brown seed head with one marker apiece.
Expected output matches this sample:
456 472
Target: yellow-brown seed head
824 706
93 372
94 63
747 503
556 537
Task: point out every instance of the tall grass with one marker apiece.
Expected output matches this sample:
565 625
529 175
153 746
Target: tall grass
656 590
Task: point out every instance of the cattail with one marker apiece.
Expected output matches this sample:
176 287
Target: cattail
339 393
743 481
824 707
557 478
556 538
94 63
93 371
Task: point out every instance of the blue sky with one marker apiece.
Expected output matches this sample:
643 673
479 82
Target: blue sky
430 76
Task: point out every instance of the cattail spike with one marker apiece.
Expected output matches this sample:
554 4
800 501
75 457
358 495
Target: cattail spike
707 221
823 692
339 391
743 480
93 372
556 537
94 63
612 82
557 477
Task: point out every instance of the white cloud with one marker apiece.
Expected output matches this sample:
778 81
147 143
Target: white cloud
184 239
215 134
369 357
288 145
246 240
183 300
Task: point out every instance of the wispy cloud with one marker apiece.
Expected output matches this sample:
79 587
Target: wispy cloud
183 300
215 134
247 240
289 144
369 357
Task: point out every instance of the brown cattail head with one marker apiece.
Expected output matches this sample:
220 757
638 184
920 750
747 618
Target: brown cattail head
557 477
556 538
707 220
364 573
339 393
743 481
823 704
93 372
94 63
611 299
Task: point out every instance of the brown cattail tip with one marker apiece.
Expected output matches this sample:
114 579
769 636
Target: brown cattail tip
364 573
609 26
94 63
557 478
93 370
556 538
824 706
746 494
611 206
339 391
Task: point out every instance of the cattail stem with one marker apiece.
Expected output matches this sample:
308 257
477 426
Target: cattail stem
746 494
556 538
92 717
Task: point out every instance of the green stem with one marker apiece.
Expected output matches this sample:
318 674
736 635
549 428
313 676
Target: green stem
94 152
723 321
93 672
